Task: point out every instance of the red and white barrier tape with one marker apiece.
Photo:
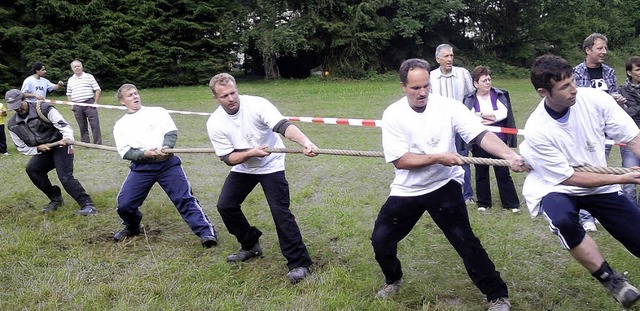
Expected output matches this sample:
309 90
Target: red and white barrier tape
317 120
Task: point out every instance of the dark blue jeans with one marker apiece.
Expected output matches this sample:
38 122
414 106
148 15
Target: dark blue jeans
60 159
449 212
236 188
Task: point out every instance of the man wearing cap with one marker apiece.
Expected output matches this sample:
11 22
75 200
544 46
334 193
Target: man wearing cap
33 127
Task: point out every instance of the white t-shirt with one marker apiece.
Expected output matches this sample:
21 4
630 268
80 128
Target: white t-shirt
553 147
432 131
36 86
143 129
250 127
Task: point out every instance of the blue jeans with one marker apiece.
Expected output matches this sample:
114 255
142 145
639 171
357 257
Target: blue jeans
629 159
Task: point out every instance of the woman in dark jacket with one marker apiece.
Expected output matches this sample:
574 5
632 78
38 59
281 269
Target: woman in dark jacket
631 91
493 107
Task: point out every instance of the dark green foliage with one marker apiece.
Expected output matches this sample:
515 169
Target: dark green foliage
184 42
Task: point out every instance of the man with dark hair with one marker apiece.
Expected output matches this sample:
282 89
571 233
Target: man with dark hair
567 130
36 86
32 128
240 129
428 177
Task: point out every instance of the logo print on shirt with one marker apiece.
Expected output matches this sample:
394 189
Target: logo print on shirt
590 147
599 84
433 142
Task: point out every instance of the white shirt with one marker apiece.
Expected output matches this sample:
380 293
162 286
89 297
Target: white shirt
36 86
250 127
429 132
461 83
143 129
83 87
553 147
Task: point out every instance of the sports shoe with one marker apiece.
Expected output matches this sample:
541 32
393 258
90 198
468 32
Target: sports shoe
5 153
500 304
589 226
470 201
208 241
389 290
53 205
625 293
126 232
87 209
515 210
244 255
296 275
482 208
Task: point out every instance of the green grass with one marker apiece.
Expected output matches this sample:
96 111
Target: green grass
63 262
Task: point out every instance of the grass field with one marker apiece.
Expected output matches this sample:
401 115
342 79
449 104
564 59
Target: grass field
63 262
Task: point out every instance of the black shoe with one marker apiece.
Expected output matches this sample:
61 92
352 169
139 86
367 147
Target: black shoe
53 205
618 286
298 274
126 232
244 255
87 209
208 241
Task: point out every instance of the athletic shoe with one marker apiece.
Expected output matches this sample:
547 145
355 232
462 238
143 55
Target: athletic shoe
589 226
53 205
625 293
5 153
515 210
389 290
298 274
87 209
244 255
470 201
482 208
126 232
500 304
208 241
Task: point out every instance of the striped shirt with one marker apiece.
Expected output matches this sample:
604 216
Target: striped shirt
82 88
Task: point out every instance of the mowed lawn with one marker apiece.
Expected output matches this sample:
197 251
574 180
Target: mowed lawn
63 262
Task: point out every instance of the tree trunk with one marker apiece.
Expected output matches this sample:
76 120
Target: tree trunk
271 70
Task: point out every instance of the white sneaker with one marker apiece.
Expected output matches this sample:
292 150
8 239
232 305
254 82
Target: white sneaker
589 226
500 304
482 209
515 210
389 290
470 201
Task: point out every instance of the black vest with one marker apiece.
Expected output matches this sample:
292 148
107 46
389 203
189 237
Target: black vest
33 130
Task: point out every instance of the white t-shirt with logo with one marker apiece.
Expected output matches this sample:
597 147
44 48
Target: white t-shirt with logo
553 147
250 127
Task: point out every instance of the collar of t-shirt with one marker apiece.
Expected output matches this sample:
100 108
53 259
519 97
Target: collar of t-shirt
554 114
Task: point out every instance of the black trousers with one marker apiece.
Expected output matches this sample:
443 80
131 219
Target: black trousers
506 188
237 187
3 140
449 212
61 159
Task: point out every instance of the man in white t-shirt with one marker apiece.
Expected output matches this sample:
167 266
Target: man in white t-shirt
418 138
567 130
240 129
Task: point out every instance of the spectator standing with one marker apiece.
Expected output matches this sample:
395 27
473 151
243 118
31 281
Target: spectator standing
32 128
82 87
594 73
3 136
492 106
240 129
36 86
453 82
428 178
140 136
631 91
567 130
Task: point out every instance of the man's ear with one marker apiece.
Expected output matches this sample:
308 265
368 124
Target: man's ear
542 92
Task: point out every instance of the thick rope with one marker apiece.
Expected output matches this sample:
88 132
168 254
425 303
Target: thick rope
363 153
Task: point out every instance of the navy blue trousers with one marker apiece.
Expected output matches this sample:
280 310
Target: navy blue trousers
617 214
170 176
506 188
61 159
446 206
236 188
